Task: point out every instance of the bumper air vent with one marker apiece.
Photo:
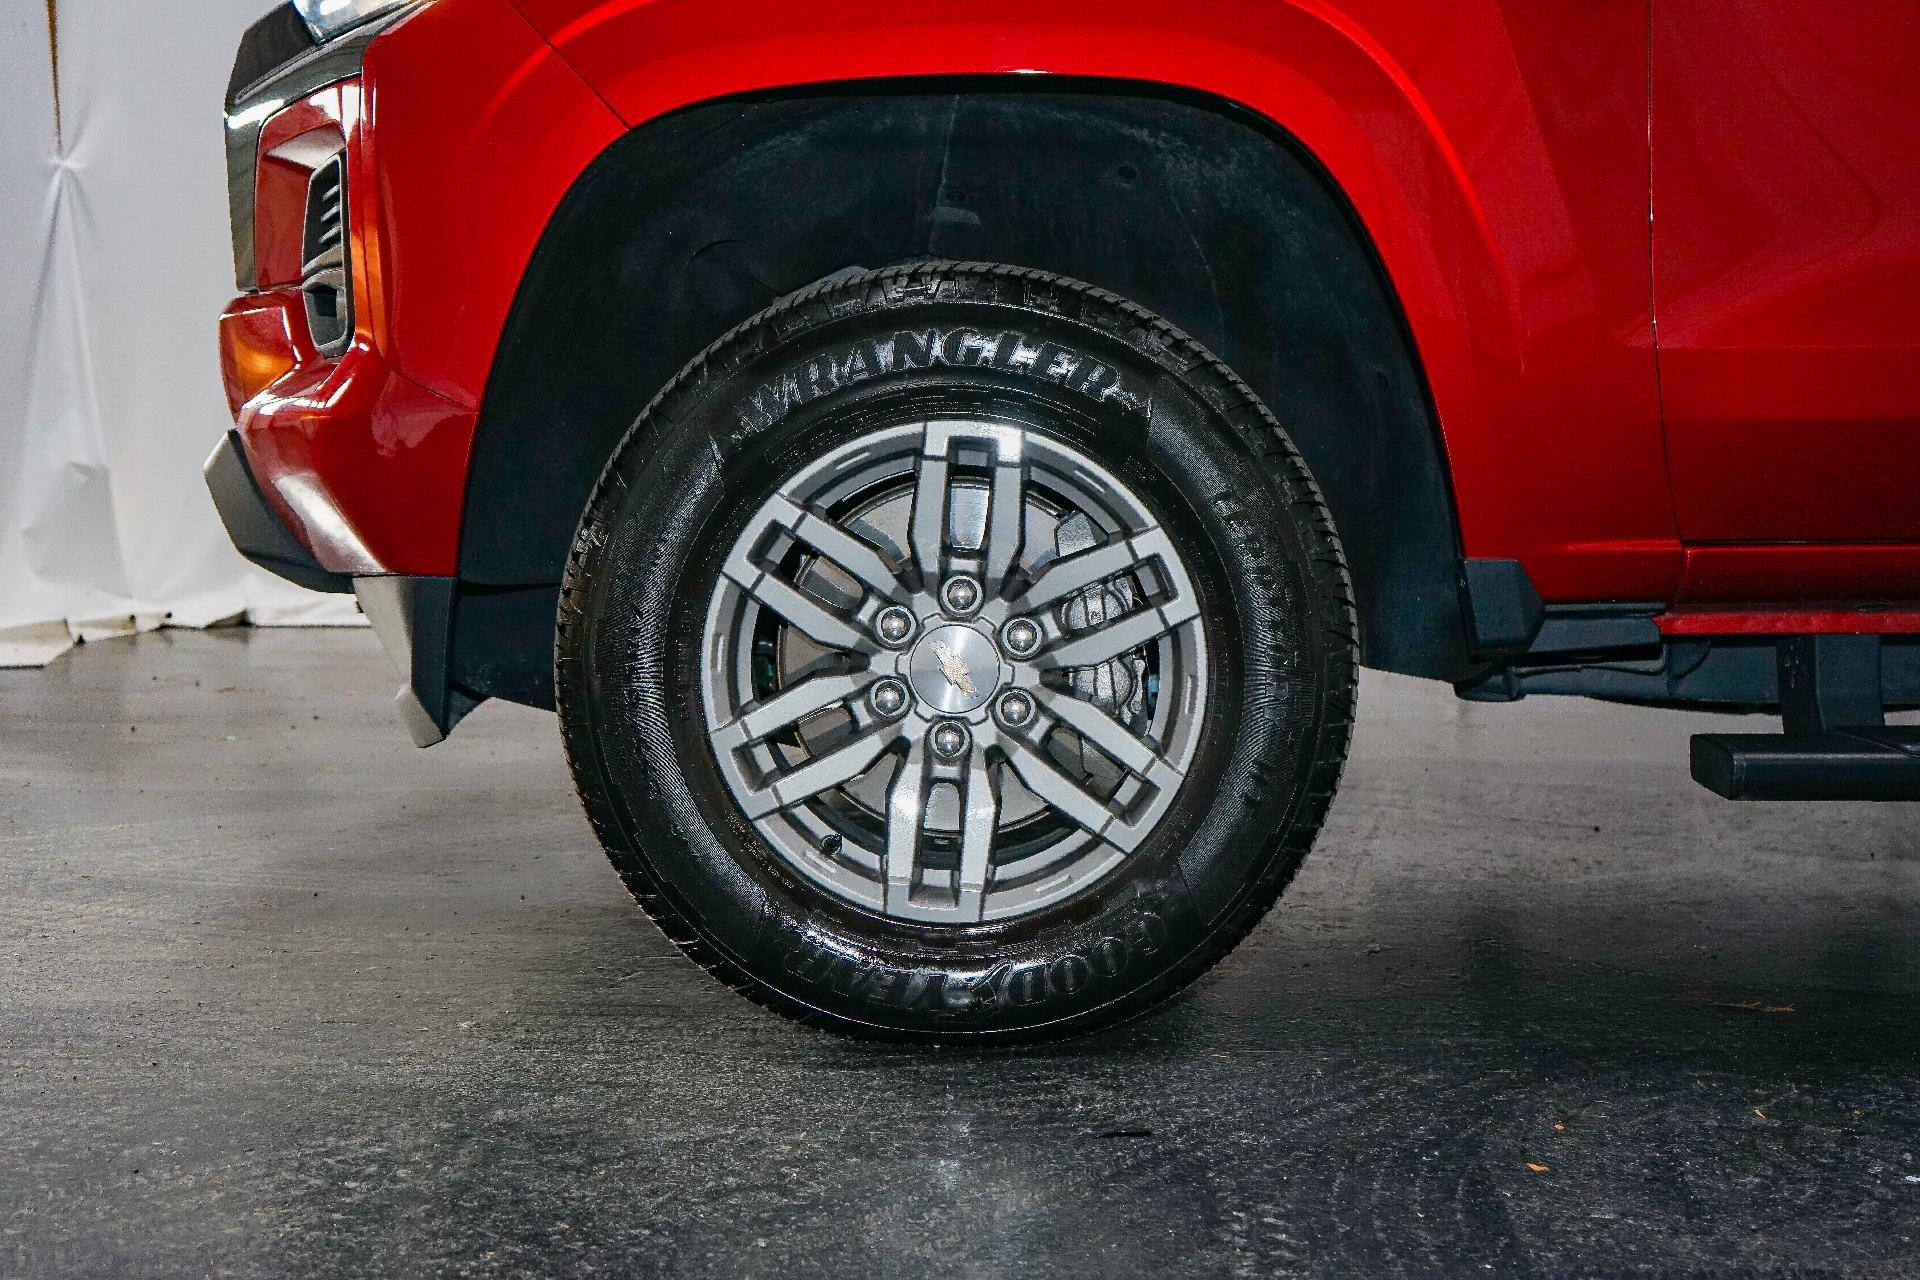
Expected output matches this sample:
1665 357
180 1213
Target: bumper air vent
325 276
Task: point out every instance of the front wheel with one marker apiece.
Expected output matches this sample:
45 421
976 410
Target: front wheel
956 651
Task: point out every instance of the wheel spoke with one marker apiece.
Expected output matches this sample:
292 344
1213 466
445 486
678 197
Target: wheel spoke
1083 569
906 821
1046 780
1007 514
819 623
927 530
1113 738
979 816
836 768
1091 648
785 708
852 554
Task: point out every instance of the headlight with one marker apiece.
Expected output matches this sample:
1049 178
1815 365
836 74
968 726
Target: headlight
328 18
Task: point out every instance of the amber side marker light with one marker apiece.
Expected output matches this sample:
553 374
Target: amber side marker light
258 346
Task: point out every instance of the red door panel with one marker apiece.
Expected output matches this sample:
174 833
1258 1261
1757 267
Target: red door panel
1786 195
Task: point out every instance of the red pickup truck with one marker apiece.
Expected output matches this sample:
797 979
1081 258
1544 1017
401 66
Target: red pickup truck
946 465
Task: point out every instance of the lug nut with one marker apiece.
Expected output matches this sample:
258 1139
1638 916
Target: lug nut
888 698
950 740
1021 637
1016 709
894 625
962 595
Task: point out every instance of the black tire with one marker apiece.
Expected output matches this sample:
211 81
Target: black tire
1220 474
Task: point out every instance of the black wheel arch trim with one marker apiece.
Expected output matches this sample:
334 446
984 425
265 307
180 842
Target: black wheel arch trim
1191 205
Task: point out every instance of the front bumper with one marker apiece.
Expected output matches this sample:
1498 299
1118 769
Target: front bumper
363 466
341 474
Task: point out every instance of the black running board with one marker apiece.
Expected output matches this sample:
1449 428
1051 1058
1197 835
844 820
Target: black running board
1847 764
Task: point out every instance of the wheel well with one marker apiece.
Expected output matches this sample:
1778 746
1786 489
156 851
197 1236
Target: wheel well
1193 208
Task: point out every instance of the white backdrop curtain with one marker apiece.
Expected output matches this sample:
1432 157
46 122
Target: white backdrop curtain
115 262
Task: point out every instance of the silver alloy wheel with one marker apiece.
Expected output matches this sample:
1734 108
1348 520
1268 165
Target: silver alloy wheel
954 671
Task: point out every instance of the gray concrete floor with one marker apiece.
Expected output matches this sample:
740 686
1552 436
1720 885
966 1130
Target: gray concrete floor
281 996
